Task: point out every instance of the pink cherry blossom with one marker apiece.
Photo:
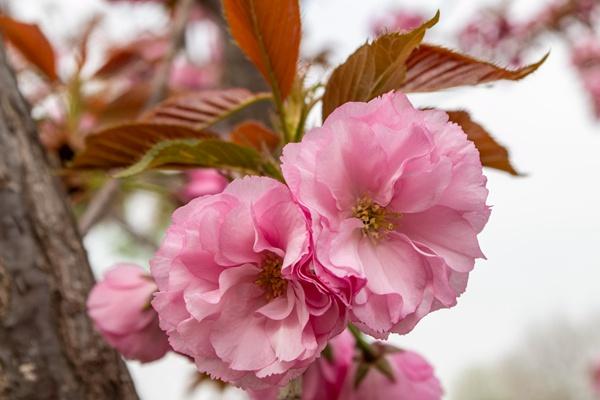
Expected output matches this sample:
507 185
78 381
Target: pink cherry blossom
413 380
237 291
120 308
397 198
201 182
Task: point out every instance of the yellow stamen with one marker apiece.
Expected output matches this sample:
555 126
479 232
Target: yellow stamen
377 221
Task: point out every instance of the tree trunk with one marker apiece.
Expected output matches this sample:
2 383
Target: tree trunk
48 348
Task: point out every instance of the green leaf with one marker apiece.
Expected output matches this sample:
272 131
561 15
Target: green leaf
374 69
213 153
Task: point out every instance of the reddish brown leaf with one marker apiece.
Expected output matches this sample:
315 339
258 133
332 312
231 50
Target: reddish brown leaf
115 107
201 109
374 69
268 31
146 51
431 68
31 42
492 154
255 134
123 145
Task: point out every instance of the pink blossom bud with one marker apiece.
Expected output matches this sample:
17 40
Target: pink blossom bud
120 308
202 182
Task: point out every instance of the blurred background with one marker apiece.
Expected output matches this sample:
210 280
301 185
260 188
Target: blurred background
528 327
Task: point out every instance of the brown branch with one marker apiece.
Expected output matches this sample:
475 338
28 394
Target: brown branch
160 83
48 347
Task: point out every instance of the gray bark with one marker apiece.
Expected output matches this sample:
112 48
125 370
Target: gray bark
48 348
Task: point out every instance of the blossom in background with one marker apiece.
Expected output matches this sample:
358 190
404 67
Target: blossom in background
120 308
396 197
325 379
414 379
399 21
491 35
237 291
586 60
201 182
596 377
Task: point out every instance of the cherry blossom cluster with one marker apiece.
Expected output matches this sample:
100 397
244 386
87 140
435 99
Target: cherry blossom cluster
374 227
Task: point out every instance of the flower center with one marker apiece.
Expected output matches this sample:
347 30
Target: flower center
269 278
377 221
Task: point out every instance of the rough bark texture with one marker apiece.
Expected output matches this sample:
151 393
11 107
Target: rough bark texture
48 348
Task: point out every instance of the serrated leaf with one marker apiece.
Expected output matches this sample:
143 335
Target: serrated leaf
181 117
31 42
122 145
430 68
491 153
212 153
254 134
374 69
200 110
268 32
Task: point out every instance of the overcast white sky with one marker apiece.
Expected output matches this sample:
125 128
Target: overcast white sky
544 232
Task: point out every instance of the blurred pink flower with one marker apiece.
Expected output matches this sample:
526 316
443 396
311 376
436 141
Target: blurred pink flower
187 76
399 21
397 198
586 59
491 35
120 308
236 286
596 377
201 182
324 379
414 379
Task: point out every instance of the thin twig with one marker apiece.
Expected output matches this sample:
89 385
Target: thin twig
161 79
98 206
138 237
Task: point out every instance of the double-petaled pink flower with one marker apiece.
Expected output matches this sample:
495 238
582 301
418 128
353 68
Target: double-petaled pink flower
237 291
120 308
396 197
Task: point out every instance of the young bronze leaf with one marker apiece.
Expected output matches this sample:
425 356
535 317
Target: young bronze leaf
213 153
492 154
124 144
255 134
268 32
31 42
431 68
199 110
374 69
